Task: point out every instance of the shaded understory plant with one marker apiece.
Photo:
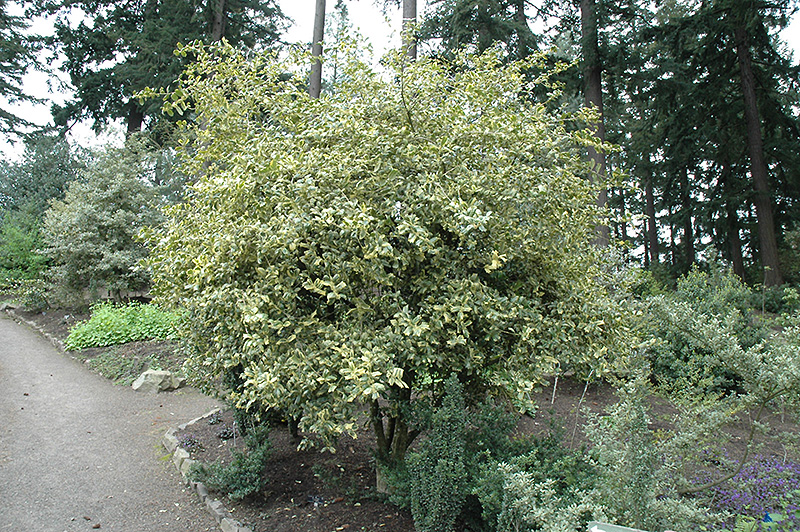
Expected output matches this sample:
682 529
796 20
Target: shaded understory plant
470 472
244 476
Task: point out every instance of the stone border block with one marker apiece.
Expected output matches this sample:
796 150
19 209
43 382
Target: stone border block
179 456
186 466
231 525
183 462
170 441
217 509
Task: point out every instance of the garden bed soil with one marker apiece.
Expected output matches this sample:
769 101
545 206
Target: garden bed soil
313 491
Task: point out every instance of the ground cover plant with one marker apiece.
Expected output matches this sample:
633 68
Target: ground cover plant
111 324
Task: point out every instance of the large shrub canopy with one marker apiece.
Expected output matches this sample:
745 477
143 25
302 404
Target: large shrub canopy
368 244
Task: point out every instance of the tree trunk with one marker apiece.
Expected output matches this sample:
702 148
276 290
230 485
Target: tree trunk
732 222
135 118
758 166
593 97
409 28
734 241
218 27
652 225
686 214
315 81
525 38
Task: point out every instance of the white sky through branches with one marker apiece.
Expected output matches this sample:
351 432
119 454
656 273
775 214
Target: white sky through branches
381 29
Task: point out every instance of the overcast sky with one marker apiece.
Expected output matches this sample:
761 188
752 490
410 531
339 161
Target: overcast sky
382 30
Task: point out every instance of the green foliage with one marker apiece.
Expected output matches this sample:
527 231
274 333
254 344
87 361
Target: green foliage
119 49
540 484
530 504
26 187
47 165
90 236
679 352
19 54
244 476
437 472
33 294
19 242
367 244
637 484
471 471
113 325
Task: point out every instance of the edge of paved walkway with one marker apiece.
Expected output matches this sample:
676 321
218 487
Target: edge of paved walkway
180 457
183 462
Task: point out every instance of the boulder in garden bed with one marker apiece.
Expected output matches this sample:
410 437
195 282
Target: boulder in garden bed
154 381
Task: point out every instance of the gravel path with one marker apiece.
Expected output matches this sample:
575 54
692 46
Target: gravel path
78 453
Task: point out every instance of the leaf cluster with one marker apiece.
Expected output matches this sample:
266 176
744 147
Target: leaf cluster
113 325
90 236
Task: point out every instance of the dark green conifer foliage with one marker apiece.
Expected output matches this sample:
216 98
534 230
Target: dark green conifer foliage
119 49
17 56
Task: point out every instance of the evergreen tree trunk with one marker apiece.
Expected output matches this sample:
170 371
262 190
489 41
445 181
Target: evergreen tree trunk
135 118
525 39
732 223
734 241
652 224
686 213
409 29
315 82
218 28
758 168
593 97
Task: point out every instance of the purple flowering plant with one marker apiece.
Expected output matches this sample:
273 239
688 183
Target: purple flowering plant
190 442
765 493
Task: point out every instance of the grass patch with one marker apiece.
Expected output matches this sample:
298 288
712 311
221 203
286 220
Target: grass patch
114 325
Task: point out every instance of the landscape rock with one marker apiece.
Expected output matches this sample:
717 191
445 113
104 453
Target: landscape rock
154 381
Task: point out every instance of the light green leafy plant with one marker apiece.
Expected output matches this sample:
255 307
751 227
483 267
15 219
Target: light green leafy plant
359 248
113 325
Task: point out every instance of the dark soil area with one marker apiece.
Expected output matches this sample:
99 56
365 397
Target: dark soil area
313 491
308 490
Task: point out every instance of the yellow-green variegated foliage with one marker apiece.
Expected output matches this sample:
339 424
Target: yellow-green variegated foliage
339 250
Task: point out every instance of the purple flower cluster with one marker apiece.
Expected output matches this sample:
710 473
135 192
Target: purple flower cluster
190 443
760 487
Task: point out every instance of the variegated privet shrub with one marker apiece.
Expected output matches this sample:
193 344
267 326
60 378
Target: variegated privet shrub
358 249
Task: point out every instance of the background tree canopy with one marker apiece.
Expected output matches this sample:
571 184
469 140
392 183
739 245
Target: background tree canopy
368 244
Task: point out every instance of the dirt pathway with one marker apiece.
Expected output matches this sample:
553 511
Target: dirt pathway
73 446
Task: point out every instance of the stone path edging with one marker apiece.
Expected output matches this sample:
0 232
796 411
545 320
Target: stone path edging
183 462
53 340
180 457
